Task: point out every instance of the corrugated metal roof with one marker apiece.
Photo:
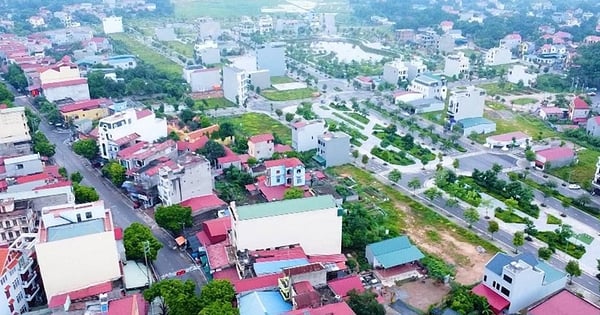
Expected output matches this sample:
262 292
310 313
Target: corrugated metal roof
283 207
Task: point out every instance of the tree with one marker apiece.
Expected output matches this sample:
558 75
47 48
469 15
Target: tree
365 303
16 77
220 308
529 155
452 202
493 227
135 237
471 216
212 150
217 291
88 148
42 145
395 175
279 113
432 193
115 172
84 194
226 129
518 240
289 117
583 199
573 270
456 163
544 253
173 218
365 159
63 172
76 177
293 193
530 228
414 184
177 297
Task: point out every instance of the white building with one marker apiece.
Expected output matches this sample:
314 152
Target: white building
456 64
18 276
394 72
333 149
305 134
271 56
282 223
36 21
514 283
466 103
123 128
261 146
76 248
511 41
429 86
521 73
191 177
235 85
497 56
202 79
208 28
112 24
14 134
208 51
415 68
247 27
289 172
265 24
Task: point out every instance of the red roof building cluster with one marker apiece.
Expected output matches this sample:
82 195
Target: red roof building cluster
85 105
261 138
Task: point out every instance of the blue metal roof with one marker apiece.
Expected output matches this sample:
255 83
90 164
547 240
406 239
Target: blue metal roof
270 267
390 245
551 274
472 122
263 303
395 251
497 263
76 229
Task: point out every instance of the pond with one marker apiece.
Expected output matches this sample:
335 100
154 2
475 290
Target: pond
345 52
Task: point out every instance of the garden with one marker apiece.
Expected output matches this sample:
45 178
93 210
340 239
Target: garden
355 134
508 216
212 103
447 181
392 157
251 124
348 120
556 240
405 143
358 117
289 95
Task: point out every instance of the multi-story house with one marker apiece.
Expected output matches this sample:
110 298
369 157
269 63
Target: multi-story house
261 146
430 86
289 172
247 27
520 73
511 284
466 103
19 276
235 85
265 24
124 128
511 41
456 65
394 72
208 28
271 56
112 24
593 126
15 137
91 109
333 149
190 177
497 56
405 35
415 68
579 111
305 134
142 153
203 79
63 81
76 248
21 166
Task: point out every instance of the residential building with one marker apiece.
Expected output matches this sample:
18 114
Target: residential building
446 26
333 149
415 68
554 157
235 85
265 24
511 284
142 153
246 26
425 105
526 48
363 83
208 28
394 72
392 252
112 24
19 276
271 56
511 41
143 186
406 96
430 86
261 146
98 44
564 302
406 35
446 43
94 109
553 113
21 165
497 56
305 134
592 39
593 126
263 302
466 103
455 65
122 62
202 79
63 81
288 171
15 137
281 223
520 73
510 139
123 128
36 21
208 51
76 248
579 110
128 305
191 177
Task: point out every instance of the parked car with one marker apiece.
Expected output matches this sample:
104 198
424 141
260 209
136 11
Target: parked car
574 187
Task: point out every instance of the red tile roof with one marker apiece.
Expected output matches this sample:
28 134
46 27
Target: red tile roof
131 149
334 258
299 124
85 105
518 135
342 286
192 146
217 255
32 178
303 269
557 153
80 294
126 139
565 303
230 157
308 299
579 103
257 283
139 114
129 305
261 138
203 203
283 148
203 238
364 79
330 309
227 274
61 183
303 287
496 301
278 254
217 227
552 110
3 258
64 83
287 162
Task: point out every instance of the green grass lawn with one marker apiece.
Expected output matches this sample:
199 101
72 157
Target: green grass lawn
495 105
524 101
437 117
220 8
530 125
184 49
251 124
212 103
581 173
148 55
553 220
298 94
396 158
358 117
584 237
493 89
509 217
281 80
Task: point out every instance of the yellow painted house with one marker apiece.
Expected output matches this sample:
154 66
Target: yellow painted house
91 109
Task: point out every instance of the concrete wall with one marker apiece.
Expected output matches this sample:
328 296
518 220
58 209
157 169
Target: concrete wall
335 150
78 92
14 125
305 138
205 80
261 79
272 57
261 150
17 167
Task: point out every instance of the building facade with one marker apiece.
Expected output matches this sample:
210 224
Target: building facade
289 172
456 65
19 276
91 109
191 177
15 137
554 157
579 110
306 133
394 72
466 103
333 149
112 24
235 85
430 86
261 146
497 56
271 56
593 126
520 73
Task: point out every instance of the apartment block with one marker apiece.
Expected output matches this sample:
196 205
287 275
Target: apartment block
235 85
394 72
190 177
305 134
466 103
271 56
15 137
333 149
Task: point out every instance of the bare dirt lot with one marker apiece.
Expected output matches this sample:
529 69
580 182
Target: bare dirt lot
421 295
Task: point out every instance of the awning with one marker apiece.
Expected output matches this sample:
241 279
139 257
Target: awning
180 240
319 159
496 301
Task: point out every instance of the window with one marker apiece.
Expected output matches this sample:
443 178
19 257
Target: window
88 215
3 236
507 278
19 166
484 278
79 217
494 284
505 291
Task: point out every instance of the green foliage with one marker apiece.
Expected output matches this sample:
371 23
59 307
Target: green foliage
432 193
360 228
463 301
16 77
220 308
173 218
457 187
289 117
217 291
395 175
42 145
134 238
115 172
544 253
508 216
76 178
293 193
226 130
437 268
85 194
279 112
530 155
392 157
550 219
493 227
588 65
365 159
573 270
365 303
471 216
88 148
407 143
518 239
178 297
212 150
556 240
359 117
553 83
414 183
33 120
305 110
63 172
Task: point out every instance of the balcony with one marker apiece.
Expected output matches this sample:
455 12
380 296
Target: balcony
27 266
31 280
32 295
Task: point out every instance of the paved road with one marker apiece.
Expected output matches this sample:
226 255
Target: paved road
168 260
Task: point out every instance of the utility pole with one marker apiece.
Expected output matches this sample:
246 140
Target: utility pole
146 252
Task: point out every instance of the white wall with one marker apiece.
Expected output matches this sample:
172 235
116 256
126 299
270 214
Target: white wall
305 138
14 125
234 84
466 103
323 237
261 150
78 92
112 24
202 81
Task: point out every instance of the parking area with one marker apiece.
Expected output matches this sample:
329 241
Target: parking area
376 166
485 162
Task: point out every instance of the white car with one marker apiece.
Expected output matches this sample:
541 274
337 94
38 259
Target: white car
574 186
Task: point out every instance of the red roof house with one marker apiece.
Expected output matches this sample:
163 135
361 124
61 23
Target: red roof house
204 203
329 309
564 303
129 305
556 157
